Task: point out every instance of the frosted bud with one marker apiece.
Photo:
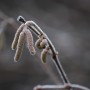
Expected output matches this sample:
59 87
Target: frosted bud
44 55
43 43
37 43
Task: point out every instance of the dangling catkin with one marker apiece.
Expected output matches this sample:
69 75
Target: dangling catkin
43 43
15 41
19 46
37 43
44 55
30 43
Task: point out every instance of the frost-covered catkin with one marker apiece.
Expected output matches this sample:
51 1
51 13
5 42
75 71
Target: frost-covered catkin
19 46
44 55
15 41
30 43
44 43
37 43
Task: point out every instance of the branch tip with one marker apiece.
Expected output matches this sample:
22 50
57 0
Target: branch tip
21 19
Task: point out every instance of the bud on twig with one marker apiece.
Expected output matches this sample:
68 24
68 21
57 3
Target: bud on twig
44 54
37 43
43 43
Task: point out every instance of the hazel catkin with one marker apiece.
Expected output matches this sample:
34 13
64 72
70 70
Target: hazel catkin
37 43
44 43
30 43
44 55
19 46
15 41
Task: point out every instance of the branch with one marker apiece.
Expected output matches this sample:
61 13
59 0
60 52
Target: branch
36 29
48 46
60 87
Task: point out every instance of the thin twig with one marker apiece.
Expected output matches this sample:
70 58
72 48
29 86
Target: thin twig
48 70
60 87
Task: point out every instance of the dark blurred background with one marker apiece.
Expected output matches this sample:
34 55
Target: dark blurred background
66 22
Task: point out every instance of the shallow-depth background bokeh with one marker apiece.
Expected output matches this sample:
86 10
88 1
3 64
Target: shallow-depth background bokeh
67 24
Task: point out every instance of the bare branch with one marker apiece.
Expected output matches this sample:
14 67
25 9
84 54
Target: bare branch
54 52
39 33
60 87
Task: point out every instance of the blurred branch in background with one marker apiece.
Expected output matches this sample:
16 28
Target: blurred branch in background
4 22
